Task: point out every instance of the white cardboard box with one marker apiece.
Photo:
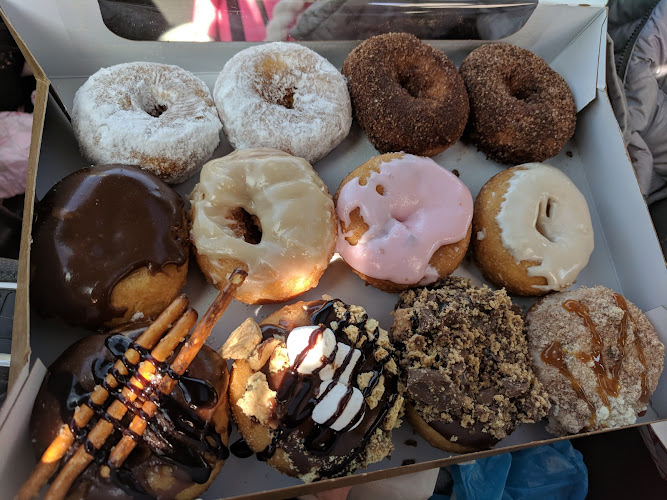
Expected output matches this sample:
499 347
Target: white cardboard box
70 41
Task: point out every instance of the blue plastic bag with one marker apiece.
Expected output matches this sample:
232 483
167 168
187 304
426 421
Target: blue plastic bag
551 472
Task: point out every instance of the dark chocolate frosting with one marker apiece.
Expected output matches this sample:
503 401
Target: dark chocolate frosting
94 228
178 442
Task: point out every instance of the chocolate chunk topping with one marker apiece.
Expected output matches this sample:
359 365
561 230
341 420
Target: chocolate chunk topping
94 228
465 361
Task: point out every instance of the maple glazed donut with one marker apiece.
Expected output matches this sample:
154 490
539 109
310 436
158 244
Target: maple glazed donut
406 95
109 246
532 231
284 96
520 109
156 116
180 452
403 220
598 357
314 389
267 212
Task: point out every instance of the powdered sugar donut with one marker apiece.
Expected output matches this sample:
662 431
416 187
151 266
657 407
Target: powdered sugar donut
284 96
155 116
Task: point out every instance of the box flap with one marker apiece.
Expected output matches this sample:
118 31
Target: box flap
574 65
56 27
21 325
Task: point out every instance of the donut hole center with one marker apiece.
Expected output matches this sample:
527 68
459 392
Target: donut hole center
523 94
412 85
245 225
544 220
156 110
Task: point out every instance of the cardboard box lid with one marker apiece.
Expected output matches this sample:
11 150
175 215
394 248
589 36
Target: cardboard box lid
21 326
71 41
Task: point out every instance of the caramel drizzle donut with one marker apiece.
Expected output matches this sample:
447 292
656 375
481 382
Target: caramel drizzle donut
605 350
406 95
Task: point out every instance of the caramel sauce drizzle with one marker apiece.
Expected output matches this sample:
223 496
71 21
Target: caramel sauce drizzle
608 381
553 355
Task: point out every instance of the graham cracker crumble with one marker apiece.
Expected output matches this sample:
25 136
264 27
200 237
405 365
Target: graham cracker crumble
465 358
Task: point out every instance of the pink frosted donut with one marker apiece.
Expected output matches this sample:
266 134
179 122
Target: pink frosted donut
158 117
403 221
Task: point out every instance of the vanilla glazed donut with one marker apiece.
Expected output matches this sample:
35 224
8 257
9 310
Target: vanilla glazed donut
532 231
520 109
267 212
159 117
403 221
407 95
284 96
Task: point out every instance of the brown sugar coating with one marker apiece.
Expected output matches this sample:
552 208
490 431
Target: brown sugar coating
466 365
274 405
520 109
445 260
180 452
598 357
406 95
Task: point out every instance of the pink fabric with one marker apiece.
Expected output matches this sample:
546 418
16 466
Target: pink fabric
15 131
213 17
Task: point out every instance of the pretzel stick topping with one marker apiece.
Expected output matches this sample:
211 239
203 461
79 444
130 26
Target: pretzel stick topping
149 375
179 365
48 464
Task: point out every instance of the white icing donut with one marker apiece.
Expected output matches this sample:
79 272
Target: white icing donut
293 210
285 96
544 218
156 116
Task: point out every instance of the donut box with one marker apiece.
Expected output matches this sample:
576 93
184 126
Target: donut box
571 38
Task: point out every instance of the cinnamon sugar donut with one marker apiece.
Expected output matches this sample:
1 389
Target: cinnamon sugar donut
284 96
268 213
314 389
598 357
155 116
407 96
532 232
520 109
403 221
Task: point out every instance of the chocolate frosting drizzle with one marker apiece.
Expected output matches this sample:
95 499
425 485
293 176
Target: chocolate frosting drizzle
176 435
305 440
94 228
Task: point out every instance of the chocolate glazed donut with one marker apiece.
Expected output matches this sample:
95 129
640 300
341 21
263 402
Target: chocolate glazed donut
183 447
406 95
110 245
521 110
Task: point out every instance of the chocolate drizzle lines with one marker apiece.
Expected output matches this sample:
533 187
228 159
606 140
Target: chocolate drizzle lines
176 434
298 394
